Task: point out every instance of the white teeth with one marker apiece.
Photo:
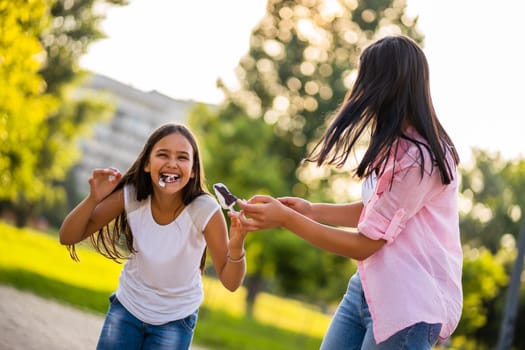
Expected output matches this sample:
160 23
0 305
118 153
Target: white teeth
169 178
165 178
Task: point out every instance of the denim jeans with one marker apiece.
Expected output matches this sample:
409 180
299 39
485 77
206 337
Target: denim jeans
123 331
351 327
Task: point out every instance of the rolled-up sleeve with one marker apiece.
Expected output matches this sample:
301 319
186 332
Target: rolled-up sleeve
376 226
396 199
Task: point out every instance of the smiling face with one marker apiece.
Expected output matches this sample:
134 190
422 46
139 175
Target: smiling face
170 163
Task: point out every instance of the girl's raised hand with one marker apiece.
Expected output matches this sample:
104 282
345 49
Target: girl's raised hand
237 230
102 182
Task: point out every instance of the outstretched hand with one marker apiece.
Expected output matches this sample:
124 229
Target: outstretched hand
261 212
302 206
102 182
237 230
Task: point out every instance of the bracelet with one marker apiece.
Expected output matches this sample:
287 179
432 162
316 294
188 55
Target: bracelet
238 260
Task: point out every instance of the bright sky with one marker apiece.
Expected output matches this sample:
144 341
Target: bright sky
474 47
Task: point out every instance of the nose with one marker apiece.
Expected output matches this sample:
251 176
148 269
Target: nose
173 162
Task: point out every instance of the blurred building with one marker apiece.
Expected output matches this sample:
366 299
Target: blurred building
118 142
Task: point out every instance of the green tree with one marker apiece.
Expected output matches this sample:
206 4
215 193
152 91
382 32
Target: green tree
235 152
73 26
484 278
24 104
301 61
492 200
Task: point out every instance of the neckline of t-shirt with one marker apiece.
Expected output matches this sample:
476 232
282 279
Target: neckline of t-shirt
174 221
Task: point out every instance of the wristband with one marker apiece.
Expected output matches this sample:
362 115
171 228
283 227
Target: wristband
238 260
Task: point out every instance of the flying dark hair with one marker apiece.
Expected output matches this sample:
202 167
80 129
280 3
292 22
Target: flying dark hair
392 90
110 239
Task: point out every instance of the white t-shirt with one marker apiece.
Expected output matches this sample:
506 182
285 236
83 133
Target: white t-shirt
161 282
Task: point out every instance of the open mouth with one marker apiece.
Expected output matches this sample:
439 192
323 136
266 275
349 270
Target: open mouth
167 178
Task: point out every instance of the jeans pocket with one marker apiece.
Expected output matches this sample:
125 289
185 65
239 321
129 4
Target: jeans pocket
190 321
433 333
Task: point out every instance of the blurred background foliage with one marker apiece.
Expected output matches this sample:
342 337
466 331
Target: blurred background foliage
41 43
301 62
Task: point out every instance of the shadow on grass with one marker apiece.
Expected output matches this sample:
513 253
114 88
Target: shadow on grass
83 298
215 329
219 330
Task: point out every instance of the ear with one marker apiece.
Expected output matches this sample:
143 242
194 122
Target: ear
147 167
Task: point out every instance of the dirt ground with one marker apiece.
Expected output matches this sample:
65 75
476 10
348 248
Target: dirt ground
28 322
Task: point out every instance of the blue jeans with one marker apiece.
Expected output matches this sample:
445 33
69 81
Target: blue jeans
123 331
351 327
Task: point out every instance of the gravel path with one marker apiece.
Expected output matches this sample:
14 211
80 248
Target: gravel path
29 322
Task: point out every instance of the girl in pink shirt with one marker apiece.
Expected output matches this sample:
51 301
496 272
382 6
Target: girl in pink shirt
407 290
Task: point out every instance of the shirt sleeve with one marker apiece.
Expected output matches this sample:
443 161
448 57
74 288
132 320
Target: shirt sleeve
201 210
400 193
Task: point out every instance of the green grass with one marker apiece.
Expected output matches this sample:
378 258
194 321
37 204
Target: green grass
34 261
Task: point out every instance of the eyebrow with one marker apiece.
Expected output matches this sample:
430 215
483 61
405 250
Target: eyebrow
169 151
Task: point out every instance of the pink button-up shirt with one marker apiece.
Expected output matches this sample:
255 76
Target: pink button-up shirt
416 276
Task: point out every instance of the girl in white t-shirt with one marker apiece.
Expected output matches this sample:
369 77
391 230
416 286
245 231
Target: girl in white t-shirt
160 218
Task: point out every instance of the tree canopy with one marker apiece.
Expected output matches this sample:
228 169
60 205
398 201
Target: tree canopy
42 42
24 103
301 62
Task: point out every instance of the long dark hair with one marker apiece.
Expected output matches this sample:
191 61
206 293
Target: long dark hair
392 89
109 239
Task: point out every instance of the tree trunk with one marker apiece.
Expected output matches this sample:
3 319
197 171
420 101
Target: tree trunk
511 305
22 214
254 285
